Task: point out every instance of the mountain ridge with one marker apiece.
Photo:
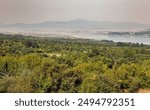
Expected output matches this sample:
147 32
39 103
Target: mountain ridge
76 23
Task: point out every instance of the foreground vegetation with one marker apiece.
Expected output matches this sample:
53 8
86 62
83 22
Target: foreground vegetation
32 64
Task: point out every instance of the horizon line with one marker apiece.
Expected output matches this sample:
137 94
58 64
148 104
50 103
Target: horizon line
75 20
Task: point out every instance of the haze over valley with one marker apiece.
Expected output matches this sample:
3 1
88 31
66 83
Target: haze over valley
117 20
81 28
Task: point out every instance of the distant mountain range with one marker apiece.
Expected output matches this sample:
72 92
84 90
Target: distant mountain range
78 23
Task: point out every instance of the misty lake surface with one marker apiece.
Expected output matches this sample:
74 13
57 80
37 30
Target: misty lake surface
132 39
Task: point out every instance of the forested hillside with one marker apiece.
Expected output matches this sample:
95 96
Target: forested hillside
35 64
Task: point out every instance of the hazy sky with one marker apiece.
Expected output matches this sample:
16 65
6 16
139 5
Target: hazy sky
31 11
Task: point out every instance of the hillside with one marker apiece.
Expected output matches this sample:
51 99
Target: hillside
61 65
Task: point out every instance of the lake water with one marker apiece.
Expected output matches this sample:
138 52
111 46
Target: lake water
133 39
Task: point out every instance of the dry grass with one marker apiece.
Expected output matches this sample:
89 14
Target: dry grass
144 91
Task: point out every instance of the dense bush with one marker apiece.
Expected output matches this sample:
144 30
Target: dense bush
30 64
